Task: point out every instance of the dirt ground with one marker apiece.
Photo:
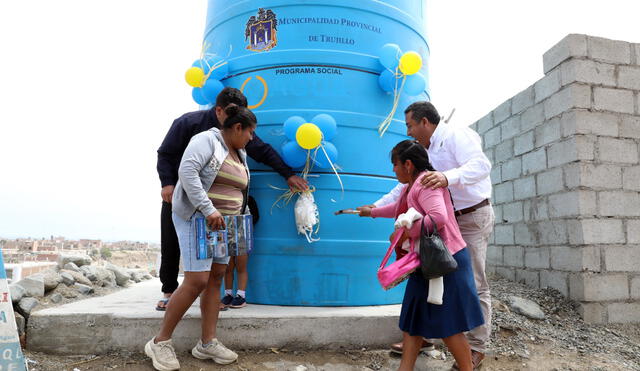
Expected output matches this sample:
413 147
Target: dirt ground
561 341
542 357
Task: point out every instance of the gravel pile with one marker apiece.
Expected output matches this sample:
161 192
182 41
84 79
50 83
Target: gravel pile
562 327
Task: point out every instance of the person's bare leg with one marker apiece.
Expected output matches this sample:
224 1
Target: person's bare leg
181 300
228 275
228 278
210 302
410 350
243 274
459 347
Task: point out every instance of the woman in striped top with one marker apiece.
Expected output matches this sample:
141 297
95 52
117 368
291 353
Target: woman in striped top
213 182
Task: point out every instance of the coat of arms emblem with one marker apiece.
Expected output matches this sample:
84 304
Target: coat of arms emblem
261 31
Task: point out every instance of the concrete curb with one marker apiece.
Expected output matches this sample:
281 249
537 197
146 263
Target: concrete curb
126 320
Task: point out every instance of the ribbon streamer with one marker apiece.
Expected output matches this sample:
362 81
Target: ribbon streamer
204 54
384 125
305 210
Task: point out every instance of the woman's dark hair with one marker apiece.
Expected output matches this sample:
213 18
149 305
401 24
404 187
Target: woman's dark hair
414 152
238 114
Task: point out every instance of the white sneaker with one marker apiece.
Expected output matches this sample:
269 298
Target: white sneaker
216 351
163 355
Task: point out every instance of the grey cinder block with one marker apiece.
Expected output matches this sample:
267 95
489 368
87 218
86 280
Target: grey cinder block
547 86
624 151
534 162
598 286
614 100
588 72
629 77
570 97
575 259
573 45
606 50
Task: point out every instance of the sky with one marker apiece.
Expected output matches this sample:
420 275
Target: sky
89 88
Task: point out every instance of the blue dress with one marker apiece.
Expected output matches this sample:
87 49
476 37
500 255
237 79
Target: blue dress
460 310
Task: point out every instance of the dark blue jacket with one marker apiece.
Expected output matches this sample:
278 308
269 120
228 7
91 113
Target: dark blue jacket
186 126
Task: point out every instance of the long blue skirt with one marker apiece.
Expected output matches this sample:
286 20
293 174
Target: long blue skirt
460 310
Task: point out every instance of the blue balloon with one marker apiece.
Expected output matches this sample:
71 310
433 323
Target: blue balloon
415 84
321 158
327 125
197 96
200 63
294 155
211 89
219 65
291 126
387 80
390 55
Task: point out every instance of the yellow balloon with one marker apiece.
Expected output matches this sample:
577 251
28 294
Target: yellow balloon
195 77
410 63
308 136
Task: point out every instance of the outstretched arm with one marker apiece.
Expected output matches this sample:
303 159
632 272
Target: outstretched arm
264 153
390 197
387 211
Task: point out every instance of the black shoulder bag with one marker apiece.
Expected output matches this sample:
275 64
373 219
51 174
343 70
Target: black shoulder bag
435 258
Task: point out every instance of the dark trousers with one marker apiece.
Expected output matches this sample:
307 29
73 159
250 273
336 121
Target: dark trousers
169 251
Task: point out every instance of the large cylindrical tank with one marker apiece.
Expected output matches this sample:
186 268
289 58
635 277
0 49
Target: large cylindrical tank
305 58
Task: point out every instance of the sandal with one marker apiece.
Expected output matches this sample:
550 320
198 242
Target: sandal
162 304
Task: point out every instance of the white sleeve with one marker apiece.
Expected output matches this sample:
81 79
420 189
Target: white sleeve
474 165
390 197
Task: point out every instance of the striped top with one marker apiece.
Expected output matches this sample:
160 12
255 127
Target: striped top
227 187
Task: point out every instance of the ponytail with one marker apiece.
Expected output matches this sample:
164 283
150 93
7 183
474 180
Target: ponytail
238 114
414 152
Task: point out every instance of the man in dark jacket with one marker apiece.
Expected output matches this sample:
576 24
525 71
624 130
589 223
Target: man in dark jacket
169 156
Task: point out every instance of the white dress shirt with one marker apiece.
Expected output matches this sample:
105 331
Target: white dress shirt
456 151
390 197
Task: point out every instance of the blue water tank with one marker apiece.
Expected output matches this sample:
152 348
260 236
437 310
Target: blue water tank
305 58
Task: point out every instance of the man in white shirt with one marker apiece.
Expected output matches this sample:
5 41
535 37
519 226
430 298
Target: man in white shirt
457 153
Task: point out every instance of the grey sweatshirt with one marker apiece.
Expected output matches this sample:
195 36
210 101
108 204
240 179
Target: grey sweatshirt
198 169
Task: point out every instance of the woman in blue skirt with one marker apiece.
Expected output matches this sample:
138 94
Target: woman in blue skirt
460 309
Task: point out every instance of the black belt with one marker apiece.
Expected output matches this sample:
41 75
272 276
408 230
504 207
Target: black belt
473 208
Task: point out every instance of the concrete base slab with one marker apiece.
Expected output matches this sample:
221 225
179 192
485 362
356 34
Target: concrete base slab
127 319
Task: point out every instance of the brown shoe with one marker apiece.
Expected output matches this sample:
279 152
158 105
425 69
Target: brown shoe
426 346
476 360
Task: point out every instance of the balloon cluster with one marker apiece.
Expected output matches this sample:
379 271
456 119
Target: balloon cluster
398 66
204 76
304 136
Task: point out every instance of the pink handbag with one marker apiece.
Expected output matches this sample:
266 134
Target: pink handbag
399 270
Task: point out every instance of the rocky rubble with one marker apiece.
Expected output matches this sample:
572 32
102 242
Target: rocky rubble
558 323
77 260
74 278
33 286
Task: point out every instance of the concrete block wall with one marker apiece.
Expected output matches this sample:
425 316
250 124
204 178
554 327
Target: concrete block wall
566 177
